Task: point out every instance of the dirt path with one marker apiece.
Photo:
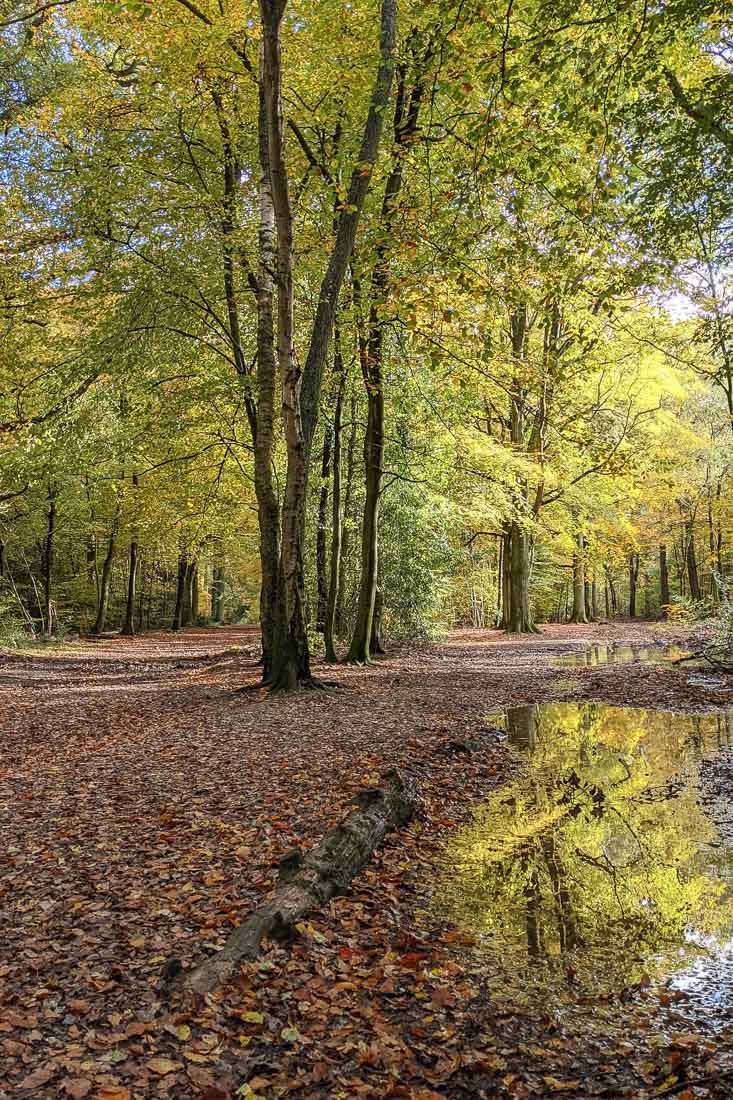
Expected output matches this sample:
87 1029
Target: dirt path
144 807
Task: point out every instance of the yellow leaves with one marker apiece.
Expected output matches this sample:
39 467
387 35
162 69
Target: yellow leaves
252 1017
163 1066
291 1035
181 1032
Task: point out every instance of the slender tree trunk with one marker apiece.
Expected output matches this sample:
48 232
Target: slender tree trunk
336 526
594 607
347 526
579 605
291 657
499 617
359 650
128 626
321 534
633 581
506 578
664 596
714 589
109 558
376 642
612 590
519 617
193 588
129 623
217 593
691 559
371 356
48 610
268 506
180 592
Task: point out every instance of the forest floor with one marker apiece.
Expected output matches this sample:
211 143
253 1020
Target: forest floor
144 807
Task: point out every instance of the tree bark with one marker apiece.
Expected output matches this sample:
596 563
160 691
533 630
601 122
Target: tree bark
217 593
376 642
579 603
519 615
371 355
321 533
633 581
664 595
691 560
268 505
103 602
340 624
329 625
180 592
128 627
291 657
48 610
307 882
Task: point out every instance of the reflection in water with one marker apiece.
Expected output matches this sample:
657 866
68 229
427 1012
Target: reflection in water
606 653
600 856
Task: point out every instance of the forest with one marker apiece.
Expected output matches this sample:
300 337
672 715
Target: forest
366 398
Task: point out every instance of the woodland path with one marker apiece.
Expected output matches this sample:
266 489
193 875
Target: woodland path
144 807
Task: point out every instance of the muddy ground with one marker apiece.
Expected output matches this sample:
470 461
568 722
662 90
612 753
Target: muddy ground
145 804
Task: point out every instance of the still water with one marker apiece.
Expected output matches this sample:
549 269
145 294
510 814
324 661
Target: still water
609 860
606 653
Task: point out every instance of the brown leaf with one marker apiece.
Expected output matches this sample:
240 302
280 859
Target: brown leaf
38 1077
162 1066
77 1087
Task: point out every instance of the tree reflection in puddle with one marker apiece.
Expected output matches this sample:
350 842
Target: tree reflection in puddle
599 865
608 653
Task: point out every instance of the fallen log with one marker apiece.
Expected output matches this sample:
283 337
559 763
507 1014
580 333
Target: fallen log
307 881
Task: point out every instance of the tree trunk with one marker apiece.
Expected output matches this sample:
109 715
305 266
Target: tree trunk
519 616
341 624
376 642
291 662
633 580
103 603
595 613
291 657
128 626
48 609
612 590
664 596
180 592
371 357
217 593
193 593
691 559
129 623
268 506
579 605
506 578
321 533
329 625
359 650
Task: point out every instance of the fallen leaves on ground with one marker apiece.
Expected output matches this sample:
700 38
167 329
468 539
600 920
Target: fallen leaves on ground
145 808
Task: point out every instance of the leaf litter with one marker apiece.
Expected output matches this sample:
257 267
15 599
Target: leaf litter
146 807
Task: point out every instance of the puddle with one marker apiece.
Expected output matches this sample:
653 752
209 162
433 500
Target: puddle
608 865
606 653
